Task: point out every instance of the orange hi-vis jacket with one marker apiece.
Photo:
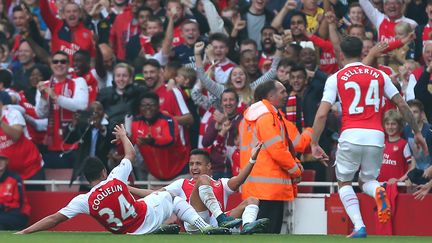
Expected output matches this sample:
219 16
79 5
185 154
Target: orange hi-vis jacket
276 164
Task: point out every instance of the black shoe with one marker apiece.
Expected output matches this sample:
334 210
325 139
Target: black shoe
210 230
168 229
257 226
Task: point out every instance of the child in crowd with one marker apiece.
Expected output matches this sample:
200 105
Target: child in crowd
397 155
400 55
185 79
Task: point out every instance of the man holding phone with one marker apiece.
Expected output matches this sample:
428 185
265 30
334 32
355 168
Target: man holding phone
89 128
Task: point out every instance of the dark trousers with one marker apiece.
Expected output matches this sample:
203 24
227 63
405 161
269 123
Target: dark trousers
59 160
12 220
40 175
274 211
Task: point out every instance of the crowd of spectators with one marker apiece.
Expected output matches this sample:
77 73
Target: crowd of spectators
71 70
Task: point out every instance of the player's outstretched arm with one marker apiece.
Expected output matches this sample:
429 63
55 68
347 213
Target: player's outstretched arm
409 118
140 192
318 127
236 181
44 224
121 136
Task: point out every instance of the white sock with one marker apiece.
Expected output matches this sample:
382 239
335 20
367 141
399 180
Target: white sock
209 199
370 188
187 213
250 213
351 204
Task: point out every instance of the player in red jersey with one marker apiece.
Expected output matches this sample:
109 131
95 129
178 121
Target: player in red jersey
111 204
360 89
209 197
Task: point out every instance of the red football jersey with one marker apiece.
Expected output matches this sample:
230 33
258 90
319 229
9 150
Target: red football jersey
361 90
113 206
65 38
218 189
396 157
172 101
386 30
24 157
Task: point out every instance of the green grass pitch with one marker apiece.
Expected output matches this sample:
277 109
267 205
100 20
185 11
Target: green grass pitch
81 237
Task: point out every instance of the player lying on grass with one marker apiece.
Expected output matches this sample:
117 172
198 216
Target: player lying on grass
111 204
209 197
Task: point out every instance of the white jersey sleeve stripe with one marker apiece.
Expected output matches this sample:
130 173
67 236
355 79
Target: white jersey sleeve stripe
227 191
407 152
176 188
330 89
78 205
121 171
181 102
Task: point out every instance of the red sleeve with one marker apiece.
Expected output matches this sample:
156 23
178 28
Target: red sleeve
50 19
93 46
394 45
169 127
134 130
219 144
321 43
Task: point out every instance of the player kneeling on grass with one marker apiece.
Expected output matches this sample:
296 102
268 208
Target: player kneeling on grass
111 204
209 197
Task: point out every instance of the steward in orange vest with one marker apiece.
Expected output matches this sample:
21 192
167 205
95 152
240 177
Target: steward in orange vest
276 166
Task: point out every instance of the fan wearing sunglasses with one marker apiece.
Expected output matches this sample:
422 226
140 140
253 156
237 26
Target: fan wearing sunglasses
57 99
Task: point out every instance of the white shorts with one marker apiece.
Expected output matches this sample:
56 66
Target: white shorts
350 157
211 220
159 208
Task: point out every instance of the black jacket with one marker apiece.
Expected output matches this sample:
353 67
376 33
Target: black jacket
118 106
82 134
423 92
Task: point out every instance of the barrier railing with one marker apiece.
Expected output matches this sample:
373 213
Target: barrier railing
55 183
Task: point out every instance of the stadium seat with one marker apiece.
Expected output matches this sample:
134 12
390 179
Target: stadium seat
60 174
308 175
